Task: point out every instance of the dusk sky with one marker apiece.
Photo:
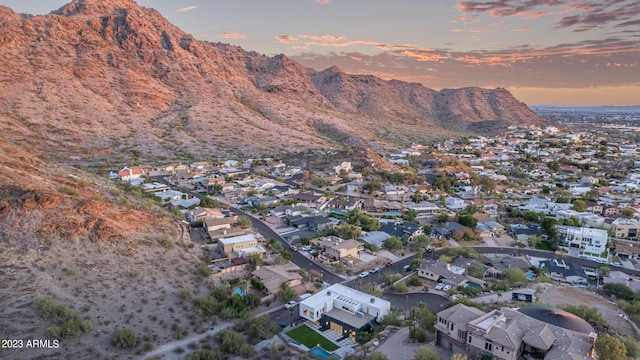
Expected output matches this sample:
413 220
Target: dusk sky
544 51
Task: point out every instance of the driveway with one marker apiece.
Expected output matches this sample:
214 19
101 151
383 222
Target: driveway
398 347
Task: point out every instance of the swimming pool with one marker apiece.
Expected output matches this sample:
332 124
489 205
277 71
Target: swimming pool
238 291
392 212
530 276
320 352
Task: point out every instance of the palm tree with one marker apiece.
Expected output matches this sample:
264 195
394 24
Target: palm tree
244 286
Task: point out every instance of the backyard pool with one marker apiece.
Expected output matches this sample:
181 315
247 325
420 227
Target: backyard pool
321 353
392 212
531 276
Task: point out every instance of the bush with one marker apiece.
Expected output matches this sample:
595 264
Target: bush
203 269
233 343
68 322
165 241
124 338
419 334
207 306
211 354
68 190
414 281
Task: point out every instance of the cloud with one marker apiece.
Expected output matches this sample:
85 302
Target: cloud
286 39
581 14
527 28
188 8
322 2
227 34
629 23
612 61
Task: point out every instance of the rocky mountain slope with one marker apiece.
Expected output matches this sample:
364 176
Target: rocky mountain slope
98 78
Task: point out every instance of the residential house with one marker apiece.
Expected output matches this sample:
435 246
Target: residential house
594 207
627 250
344 168
168 196
530 332
523 232
585 218
562 271
627 229
403 230
340 249
376 238
240 246
130 173
344 310
202 214
593 242
274 276
455 203
439 271
184 204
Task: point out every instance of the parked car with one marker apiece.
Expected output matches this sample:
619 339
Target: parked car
616 264
446 288
374 270
282 324
306 247
294 248
389 264
455 297
364 274
406 267
290 304
439 286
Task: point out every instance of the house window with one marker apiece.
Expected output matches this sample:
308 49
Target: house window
451 326
462 334
488 346
469 339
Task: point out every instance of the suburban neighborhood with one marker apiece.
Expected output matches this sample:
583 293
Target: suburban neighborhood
332 246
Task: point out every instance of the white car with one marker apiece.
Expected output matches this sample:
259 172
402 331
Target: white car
374 270
290 304
455 297
446 288
306 247
294 248
439 286
364 274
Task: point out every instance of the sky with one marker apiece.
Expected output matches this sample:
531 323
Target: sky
546 52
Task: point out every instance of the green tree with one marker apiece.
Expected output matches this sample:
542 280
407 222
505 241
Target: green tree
515 276
244 221
393 243
348 231
425 353
286 293
610 348
255 259
468 221
209 203
579 205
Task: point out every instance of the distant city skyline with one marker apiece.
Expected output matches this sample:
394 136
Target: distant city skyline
546 52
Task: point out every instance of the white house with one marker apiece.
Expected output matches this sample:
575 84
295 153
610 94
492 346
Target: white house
592 242
344 310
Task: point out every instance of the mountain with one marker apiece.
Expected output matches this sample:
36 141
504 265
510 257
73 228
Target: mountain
112 79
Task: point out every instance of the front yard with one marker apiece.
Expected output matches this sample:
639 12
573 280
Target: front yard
309 338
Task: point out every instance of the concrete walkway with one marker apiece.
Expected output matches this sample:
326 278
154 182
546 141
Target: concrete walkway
398 347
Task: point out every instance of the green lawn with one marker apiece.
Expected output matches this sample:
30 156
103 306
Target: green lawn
309 338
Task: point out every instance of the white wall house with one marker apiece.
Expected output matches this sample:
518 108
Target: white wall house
592 242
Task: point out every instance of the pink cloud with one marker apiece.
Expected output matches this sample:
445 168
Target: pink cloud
227 34
188 8
524 28
286 39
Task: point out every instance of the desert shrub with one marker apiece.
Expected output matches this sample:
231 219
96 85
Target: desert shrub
124 338
165 241
68 322
210 354
207 306
203 269
233 343
185 293
400 287
414 281
68 190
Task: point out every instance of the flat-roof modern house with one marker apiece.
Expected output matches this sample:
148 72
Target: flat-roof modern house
344 310
531 332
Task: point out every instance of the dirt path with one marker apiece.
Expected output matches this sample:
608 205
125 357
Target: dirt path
167 350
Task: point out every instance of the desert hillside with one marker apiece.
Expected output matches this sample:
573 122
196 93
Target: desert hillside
111 79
